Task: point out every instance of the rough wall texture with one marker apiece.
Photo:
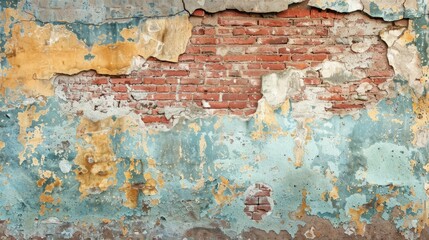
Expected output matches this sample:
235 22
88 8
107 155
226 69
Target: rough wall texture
214 119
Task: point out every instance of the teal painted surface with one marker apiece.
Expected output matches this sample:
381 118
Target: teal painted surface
366 157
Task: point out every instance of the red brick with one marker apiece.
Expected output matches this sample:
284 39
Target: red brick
224 31
212 81
186 81
100 80
218 105
214 74
312 81
309 57
263 193
126 80
186 96
257 31
263 201
187 88
293 49
239 58
273 58
380 73
204 40
256 73
322 32
238 31
153 80
295 12
217 66
182 73
273 66
335 89
244 89
286 31
199 30
155 119
275 22
317 13
151 73
346 106
328 50
251 200
199 13
208 50
163 88
335 97
238 40
162 96
264 208
273 40
328 22
307 22
257 216
261 49
239 105
209 58
186 58
234 97
207 96
255 97
237 22
379 80
121 96
145 88
120 88
306 41
253 66
212 89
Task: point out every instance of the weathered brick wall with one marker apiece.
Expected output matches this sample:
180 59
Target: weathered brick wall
229 52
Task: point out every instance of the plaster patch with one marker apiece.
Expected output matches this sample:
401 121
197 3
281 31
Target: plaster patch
335 73
388 163
277 87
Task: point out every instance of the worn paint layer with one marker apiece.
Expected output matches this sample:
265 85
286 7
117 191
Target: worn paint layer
119 161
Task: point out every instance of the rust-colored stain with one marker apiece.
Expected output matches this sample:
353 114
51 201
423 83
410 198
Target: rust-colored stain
355 218
225 192
96 159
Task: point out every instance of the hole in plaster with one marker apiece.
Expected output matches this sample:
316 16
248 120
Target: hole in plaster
258 201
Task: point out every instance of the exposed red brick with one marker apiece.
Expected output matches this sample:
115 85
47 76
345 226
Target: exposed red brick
237 22
226 57
275 22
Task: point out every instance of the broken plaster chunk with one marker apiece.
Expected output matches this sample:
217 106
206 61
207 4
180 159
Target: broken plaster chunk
403 56
335 73
277 87
363 88
259 6
344 6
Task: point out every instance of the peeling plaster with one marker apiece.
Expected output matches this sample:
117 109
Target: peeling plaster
247 6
